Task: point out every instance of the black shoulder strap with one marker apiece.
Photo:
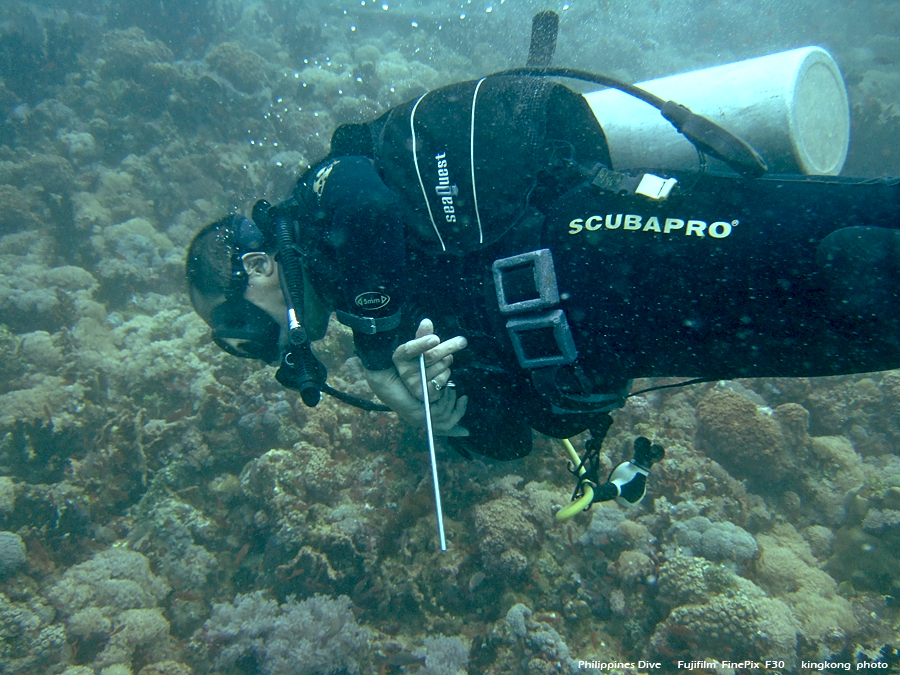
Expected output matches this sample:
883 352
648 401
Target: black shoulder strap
353 140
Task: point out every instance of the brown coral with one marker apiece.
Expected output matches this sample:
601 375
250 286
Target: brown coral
17 212
741 437
126 52
54 174
633 566
742 618
246 70
503 531
166 668
786 568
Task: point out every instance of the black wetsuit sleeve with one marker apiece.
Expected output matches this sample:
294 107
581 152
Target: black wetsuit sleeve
358 254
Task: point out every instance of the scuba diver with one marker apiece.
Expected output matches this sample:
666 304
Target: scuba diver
489 211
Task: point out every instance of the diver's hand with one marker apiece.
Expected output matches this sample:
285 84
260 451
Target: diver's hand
400 388
438 357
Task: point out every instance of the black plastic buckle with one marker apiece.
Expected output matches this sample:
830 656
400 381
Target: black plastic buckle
367 324
532 337
526 282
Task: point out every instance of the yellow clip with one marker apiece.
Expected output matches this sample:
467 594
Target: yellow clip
587 498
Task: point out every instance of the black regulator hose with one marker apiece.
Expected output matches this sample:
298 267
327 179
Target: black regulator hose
290 263
300 369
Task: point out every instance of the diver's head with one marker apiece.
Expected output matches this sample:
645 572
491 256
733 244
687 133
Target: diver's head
234 285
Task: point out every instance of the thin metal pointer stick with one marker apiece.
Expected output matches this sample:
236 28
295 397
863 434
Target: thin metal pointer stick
434 476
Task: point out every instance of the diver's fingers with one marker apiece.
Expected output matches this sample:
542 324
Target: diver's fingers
442 410
442 407
438 383
445 349
430 345
437 377
408 369
438 357
425 328
437 370
445 411
410 351
460 409
449 425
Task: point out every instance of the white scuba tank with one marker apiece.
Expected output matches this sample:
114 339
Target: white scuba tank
792 107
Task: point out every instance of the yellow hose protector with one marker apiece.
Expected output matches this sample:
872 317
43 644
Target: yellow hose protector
587 498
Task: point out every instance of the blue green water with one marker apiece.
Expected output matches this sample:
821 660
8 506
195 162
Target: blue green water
161 501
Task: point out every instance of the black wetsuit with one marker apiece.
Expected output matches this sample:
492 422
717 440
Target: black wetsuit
728 277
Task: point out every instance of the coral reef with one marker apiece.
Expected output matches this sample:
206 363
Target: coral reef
744 619
716 541
110 601
443 655
127 52
179 25
18 211
166 509
12 552
246 70
38 47
503 531
787 569
317 635
744 437
29 641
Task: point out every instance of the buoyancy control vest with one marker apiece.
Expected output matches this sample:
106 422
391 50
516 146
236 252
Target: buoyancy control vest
466 159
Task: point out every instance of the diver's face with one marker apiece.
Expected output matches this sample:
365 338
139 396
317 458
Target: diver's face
254 325
264 288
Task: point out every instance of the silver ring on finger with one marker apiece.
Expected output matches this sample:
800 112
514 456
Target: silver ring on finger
437 387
